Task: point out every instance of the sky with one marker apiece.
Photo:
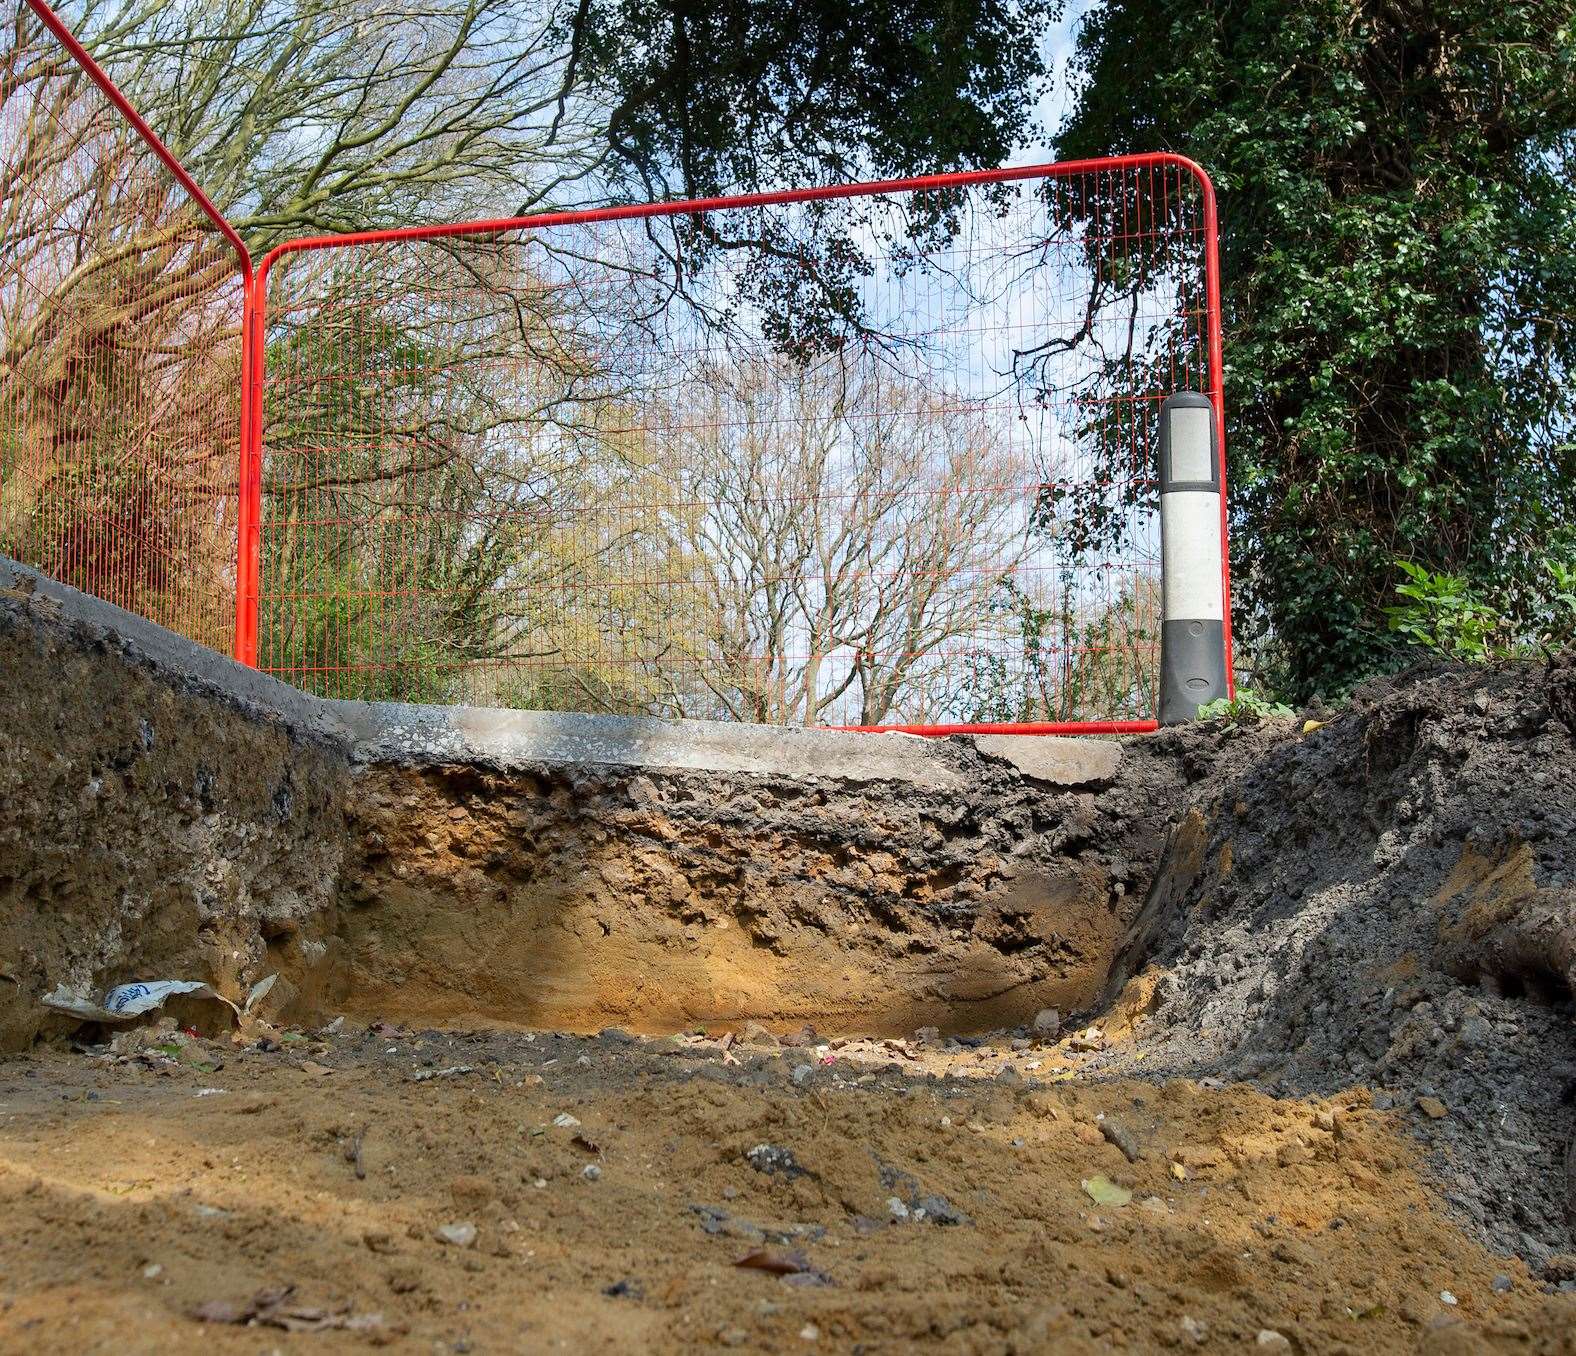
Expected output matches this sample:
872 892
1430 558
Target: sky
1056 102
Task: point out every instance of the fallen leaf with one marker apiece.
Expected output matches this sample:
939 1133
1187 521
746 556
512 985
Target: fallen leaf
1103 1191
778 1263
271 1307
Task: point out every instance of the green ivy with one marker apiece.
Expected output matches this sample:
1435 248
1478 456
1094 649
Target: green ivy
1398 234
1445 614
1246 708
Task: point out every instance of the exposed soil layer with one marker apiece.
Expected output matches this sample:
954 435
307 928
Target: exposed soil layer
164 813
1389 900
574 897
908 1208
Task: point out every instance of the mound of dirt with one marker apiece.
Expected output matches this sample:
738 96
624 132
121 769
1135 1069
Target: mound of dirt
1388 900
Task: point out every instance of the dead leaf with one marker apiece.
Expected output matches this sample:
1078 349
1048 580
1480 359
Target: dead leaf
778 1263
271 1307
1103 1191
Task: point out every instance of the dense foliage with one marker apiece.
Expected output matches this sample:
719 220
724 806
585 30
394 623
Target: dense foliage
711 98
1398 193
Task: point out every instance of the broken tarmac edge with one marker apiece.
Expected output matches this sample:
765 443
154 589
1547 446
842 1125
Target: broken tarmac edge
406 734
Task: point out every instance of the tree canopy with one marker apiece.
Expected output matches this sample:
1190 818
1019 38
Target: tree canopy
709 98
1398 199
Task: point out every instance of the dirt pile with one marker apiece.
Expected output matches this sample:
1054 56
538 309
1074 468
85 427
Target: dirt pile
504 1192
1390 900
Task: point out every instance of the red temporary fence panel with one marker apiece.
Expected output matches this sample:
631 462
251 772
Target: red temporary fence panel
879 456
121 299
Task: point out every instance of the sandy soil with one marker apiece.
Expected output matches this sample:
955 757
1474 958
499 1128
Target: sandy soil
148 1190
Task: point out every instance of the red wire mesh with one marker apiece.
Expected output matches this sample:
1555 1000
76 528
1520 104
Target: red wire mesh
875 460
120 354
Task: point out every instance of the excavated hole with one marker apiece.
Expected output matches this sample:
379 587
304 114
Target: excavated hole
577 900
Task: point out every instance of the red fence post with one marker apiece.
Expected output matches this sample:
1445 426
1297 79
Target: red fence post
1217 392
248 495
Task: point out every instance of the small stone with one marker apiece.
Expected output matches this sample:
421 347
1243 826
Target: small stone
1432 1107
152 1271
898 1209
810 1332
564 1121
802 1072
1502 1284
1270 1340
1445 1297
773 1159
733 1337
1047 1022
1123 1138
591 1172
1193 1330
938 1210
730 1193
462 1235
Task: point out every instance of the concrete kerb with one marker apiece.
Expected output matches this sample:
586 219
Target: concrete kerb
399 733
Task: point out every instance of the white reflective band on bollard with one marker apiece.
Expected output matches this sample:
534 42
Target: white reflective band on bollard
1192 628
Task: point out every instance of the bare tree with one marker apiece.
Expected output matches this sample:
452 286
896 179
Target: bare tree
332 115
847 529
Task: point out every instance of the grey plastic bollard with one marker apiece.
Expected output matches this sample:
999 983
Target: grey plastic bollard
1192 627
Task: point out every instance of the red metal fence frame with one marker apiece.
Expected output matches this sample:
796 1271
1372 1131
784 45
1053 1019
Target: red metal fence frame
254 319
248 573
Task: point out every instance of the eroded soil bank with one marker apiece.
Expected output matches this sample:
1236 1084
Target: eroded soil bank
968 898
